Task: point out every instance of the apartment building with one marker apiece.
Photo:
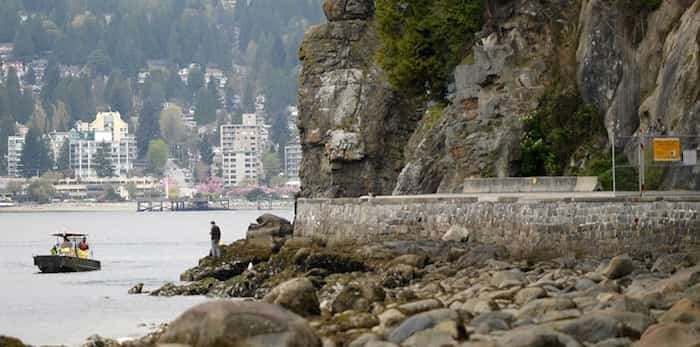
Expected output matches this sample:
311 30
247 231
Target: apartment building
241 152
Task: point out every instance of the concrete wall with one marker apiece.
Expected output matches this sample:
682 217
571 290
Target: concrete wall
593 225
530 184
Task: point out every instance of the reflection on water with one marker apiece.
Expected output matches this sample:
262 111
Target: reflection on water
152 248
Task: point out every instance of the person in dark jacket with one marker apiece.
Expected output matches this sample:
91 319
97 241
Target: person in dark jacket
215 237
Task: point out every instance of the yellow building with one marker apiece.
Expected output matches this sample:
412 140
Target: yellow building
106 121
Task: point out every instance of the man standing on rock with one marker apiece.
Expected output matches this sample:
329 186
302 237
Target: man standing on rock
215 237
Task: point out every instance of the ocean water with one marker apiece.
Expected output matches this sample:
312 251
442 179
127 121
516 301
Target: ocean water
152 248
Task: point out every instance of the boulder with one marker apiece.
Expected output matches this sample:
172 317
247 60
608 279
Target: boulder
420 322
297 295
508 278
269 226
412 308
415 260
456 233
239 323
593 328
7 341
137 289
526 295
684 311
614 342
619 266
536 337
357 296
539 307
399 275
670 335
337 10
97 341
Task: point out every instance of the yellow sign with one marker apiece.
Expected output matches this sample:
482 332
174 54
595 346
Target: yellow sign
667 149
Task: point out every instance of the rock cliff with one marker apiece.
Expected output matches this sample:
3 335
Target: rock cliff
352 123
640 68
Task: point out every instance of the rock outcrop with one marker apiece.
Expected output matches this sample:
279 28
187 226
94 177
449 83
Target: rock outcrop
640 68
353 125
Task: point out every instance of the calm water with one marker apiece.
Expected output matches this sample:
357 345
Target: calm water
152 248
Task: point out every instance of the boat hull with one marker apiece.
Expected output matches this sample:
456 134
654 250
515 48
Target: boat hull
58 263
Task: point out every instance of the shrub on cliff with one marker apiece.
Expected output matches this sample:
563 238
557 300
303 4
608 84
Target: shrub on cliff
423 40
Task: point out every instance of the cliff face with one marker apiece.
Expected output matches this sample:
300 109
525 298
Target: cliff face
639 70
352 123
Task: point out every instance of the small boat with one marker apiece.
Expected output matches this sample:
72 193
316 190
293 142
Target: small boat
67 255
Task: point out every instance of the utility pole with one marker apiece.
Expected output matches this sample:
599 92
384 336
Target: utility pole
614 186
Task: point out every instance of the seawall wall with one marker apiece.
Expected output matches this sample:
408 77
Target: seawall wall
592 225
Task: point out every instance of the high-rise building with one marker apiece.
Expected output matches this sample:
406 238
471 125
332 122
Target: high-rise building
292 161
241 152
15 144
109 128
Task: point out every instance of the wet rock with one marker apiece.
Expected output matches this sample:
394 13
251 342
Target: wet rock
435 337
239 323
333 262
99 341
269 226
201 287
390 318
137 289
7 341
415 260
297 295
363 339
491 321
614 342
399 275
619 266
670 335
337 10
357 296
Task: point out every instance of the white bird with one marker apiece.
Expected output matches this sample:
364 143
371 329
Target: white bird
250 266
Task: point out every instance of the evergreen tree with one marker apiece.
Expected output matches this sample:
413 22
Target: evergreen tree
63 160
24 45
195 80
206 152
9 19
35 159
149 118
60 118
30 76
118 93
279 131
103 160
205 107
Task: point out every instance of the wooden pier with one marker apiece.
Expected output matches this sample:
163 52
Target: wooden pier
161 205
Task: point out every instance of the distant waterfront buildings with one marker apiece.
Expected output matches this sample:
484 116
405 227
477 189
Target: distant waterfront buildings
15 144
292 161
241 152
85 138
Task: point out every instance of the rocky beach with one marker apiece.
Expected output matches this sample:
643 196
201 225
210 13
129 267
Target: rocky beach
281 290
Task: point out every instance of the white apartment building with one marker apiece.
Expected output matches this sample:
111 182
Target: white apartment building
15 144
57 139
241 152
292 161
108 127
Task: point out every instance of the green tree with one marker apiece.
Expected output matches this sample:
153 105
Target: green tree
422 41
172 127
279 131
118 93
205 107
206 152
99 63
36 157
60 119
24 45
272 166
149 118
103 160
157 157
195 80
30 76
63 160
40 190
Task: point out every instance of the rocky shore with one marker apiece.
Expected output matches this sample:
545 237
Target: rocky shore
306 292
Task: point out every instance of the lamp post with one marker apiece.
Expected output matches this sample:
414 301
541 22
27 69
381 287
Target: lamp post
612 149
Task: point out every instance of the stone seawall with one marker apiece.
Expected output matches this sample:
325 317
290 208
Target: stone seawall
592 225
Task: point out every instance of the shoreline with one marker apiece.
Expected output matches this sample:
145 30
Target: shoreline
72 207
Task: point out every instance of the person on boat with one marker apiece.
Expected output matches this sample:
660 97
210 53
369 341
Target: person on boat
67 247
215 238
83 248
83 245
54 250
